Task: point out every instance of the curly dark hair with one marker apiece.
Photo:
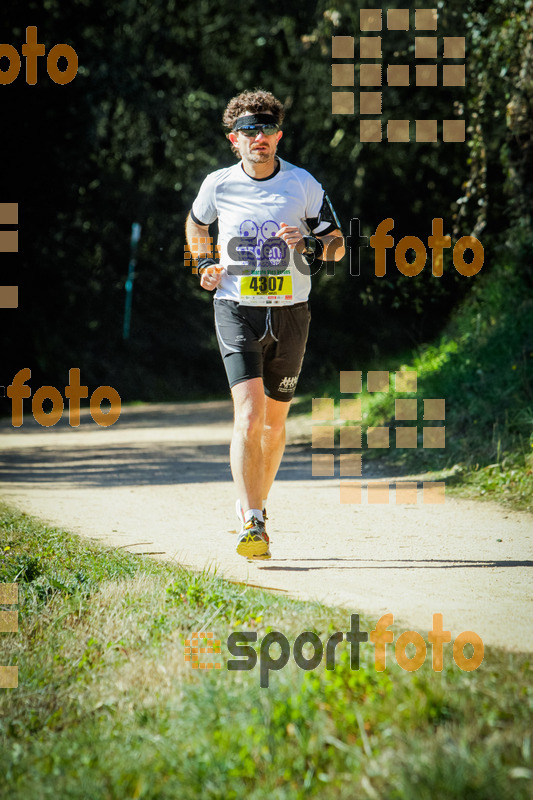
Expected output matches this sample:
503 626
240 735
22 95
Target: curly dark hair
256 102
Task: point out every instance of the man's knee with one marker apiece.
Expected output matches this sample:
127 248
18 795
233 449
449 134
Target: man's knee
248 423
276 413
275 428
249 408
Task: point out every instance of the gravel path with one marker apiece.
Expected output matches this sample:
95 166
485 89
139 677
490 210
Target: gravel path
158 481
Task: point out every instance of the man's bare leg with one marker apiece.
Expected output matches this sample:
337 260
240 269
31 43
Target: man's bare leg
246 454
273 441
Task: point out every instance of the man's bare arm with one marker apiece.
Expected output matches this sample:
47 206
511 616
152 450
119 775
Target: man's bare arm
211 276
333 245
195 231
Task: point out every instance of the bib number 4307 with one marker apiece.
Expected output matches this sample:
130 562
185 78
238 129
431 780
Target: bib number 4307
267 284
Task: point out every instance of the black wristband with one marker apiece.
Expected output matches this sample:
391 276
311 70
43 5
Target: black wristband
313 248
204 263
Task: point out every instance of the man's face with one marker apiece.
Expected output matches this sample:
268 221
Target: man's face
257 149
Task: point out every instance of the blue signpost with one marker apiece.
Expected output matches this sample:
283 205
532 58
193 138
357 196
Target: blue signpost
134 242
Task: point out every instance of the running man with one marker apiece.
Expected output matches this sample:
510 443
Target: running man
273 220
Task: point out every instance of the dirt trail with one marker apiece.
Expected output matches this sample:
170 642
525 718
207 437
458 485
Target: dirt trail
159 481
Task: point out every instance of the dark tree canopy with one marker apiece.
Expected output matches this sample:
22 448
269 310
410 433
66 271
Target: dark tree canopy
131 138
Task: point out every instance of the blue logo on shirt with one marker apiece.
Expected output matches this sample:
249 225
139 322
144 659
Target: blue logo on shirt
267 249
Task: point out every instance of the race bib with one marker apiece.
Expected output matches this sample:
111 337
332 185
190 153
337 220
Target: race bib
259 289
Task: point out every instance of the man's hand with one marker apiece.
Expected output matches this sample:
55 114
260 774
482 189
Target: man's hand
211 277
290 235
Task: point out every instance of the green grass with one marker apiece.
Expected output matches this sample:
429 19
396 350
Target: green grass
107 707
483 367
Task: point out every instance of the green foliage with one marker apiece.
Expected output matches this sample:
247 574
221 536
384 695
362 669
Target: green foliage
58 567
131 138
483 367
500 67
106 706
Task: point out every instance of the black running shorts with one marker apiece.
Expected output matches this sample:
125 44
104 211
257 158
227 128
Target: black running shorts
265 342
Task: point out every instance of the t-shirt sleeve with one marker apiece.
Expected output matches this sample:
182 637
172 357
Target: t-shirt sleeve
204 210
320 214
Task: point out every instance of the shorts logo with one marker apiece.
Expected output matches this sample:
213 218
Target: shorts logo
288 384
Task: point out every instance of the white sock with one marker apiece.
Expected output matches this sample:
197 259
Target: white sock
253 512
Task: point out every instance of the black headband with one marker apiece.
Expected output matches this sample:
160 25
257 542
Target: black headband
255 119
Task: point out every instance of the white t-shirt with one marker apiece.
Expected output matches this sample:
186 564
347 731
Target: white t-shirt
259 268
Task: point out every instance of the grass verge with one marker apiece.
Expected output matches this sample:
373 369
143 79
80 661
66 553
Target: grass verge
482 367
107 707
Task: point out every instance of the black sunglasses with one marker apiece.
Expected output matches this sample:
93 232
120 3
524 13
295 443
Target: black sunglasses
253 130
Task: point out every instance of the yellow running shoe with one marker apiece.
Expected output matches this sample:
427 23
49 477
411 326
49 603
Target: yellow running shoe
253 540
